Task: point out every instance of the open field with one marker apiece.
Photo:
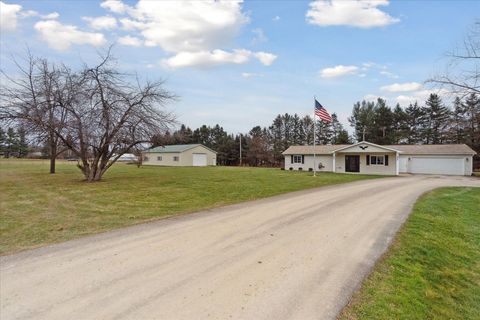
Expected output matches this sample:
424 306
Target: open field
432 270
38 208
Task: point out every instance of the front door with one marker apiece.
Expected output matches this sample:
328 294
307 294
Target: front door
352 163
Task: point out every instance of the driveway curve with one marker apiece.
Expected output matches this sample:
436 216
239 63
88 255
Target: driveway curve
295 256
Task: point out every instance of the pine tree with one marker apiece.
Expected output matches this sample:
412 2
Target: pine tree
22 145
436 115
472 121
399 125
3 140
11 143
414 123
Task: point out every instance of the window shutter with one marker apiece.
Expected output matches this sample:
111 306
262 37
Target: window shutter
291 158
368 159
386 160
303 159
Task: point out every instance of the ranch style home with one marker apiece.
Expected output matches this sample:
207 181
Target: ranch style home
180 155
369 158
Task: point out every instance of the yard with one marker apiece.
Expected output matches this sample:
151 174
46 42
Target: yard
432 270
38 208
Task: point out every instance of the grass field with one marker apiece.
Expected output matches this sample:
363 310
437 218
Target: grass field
432 270
38 208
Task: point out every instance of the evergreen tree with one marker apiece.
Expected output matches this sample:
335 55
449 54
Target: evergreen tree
3 140
22 145
363 120
414 118
436 115
399 125
11 143
343 137
382 130
471 109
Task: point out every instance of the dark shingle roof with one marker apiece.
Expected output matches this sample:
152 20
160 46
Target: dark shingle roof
403 148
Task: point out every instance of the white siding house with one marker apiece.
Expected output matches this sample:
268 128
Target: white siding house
368 158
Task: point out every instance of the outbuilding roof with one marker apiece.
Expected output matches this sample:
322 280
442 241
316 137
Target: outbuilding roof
403 148
175 148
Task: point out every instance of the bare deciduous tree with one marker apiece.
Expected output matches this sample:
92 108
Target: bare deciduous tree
98 113
31 99
462 75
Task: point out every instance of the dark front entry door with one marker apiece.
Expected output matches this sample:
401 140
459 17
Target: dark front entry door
352 163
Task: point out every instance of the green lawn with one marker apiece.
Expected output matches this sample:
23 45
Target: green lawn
38 208
432 270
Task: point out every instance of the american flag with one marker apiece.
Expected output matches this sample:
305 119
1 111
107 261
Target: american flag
322 112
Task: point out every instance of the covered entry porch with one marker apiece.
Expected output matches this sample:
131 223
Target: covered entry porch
366 158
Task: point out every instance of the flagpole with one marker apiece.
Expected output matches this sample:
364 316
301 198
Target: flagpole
314 133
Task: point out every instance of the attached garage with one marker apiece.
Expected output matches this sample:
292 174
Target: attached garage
449 159
437 165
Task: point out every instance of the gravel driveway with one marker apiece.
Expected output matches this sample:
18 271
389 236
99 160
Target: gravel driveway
295 256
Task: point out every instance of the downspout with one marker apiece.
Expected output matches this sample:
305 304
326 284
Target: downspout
334 161
397 169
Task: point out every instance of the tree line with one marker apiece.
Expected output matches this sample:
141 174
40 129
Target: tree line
13 142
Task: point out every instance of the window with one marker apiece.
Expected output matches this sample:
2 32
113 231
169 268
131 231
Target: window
159 158
145 158
297 159
176 158
377 160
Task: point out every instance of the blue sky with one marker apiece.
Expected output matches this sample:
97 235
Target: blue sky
240 64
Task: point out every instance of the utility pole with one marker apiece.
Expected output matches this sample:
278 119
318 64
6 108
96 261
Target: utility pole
240 149
363 138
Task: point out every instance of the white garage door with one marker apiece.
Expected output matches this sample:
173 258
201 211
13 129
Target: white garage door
433 165
199 159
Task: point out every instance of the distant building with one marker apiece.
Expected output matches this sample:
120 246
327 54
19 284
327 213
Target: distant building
180 155
127 157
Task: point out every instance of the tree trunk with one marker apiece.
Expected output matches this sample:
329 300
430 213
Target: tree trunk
52 164
53 154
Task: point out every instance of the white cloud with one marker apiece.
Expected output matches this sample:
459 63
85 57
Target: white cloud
129 24
215 58
99 23
338 71
259 36
50 16
276 18
196 33
422 95
250 74
356 13
178 26
61 37
389 74
33 13
130 41
9 16
402 87
265 57
115 6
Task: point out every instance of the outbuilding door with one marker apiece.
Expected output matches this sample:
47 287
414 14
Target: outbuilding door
437 165
199 159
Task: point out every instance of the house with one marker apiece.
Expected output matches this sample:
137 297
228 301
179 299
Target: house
180 155
369 158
